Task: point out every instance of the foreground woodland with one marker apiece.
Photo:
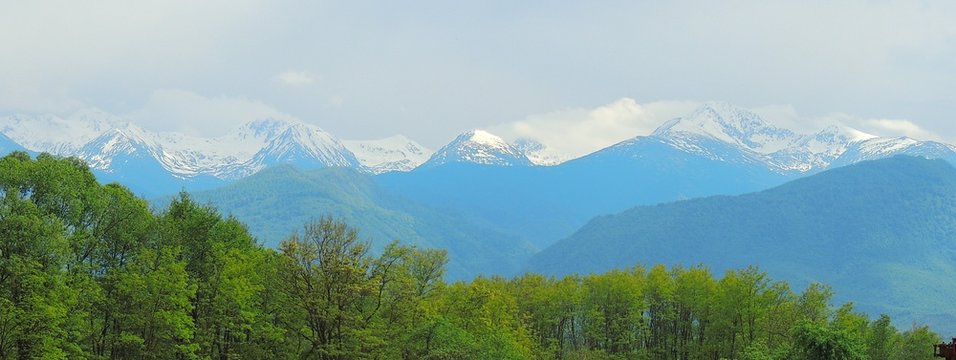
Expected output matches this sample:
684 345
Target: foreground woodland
89 271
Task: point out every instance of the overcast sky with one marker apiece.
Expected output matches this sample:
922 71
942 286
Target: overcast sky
432 69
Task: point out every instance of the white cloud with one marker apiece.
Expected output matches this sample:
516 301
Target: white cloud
897 127
294 78
576 132
786 116
194 114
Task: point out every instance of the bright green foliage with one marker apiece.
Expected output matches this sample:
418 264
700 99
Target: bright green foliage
156 323
916 344
87 271
881 338
816 342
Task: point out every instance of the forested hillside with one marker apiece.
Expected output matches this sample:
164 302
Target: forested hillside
88 271
881 231
278 200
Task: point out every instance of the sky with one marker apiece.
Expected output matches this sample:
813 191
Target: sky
582 73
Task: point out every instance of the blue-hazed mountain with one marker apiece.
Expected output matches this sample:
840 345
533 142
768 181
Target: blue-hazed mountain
545 203
717 149
279 200
7 145
882 230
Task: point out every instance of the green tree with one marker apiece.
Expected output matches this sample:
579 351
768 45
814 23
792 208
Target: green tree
156 323
818 342
881 339
916 344
33 297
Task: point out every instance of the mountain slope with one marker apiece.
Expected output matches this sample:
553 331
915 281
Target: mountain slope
546 203
279 200
7 145
880 148
127 157
884 229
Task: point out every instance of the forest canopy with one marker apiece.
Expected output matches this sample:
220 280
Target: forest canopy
90 271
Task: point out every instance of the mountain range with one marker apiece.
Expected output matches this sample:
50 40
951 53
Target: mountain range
517 188
118 149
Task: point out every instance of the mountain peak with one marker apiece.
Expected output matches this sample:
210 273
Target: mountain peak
479 147
115 143
482 137
262 129
305 146
730 124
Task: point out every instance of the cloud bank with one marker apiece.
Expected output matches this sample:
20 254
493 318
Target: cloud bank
576 132
194 114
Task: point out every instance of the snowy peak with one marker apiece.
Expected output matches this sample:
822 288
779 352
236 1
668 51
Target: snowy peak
538 153
129 142
479 147
305 146
53 134
396 153
262 129
729 124
878 148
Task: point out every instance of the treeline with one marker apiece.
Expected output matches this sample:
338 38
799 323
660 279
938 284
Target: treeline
88 271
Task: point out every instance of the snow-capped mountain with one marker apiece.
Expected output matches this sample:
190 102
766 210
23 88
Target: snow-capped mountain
715 125
101 138
878 148
57 135
302 145
727 123
478 147
716 131
538 153
127 142
396 153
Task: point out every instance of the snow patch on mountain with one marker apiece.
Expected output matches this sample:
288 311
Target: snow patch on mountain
57 135
479 147
129 141
396 153
729 124
781 149
539 154
99 137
